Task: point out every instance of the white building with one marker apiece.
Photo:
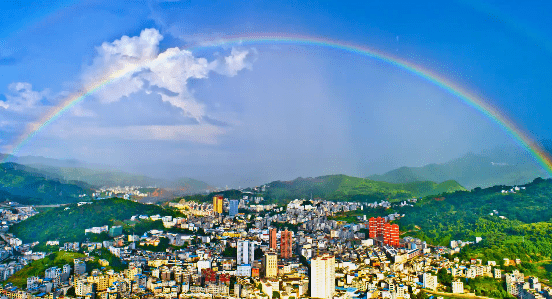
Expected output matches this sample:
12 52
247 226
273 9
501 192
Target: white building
323 276
430 281
246 252
497 273
514 283
52 272
244 270
203 264
32 281
457 287
80 267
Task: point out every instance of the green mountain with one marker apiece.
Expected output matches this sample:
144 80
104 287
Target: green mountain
26 185
68 223
338 188
29 160
470 171
100 178
342 187
190 186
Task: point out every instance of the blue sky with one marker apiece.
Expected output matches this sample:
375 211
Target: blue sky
250 114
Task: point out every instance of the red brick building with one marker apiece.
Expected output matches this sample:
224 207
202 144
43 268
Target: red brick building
391 235
378 228
273 239
394 236
286 244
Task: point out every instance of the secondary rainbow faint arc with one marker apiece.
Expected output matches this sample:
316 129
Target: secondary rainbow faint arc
523 139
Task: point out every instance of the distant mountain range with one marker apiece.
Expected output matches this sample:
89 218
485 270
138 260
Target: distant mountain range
471 170
26 185
338 188
343 187
103 178
95 175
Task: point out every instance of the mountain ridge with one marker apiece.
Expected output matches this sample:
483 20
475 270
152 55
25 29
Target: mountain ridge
99 176
471 171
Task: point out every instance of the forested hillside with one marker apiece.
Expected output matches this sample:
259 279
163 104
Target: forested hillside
524 231
26 185
470 171
347 188
69 222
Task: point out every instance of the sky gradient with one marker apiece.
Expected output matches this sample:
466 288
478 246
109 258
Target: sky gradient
245 115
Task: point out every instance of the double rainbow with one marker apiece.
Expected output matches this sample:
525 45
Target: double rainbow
509 127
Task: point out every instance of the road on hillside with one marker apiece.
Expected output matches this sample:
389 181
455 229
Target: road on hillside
466 295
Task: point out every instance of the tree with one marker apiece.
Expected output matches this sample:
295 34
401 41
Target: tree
444 277
258 253
230 252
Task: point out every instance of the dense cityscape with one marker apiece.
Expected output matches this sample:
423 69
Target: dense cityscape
232 248
283 149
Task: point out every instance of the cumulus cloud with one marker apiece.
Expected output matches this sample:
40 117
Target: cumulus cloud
147 97
21 97
237 61
137 64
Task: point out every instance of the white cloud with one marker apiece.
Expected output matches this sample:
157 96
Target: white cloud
237 61
21 97
137 64
133 65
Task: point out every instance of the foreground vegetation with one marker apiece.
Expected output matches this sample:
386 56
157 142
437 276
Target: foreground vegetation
60 258
68 223
36 268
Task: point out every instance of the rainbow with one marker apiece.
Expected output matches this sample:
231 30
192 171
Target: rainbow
508 126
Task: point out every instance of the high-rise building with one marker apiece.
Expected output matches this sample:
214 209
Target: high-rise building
372 228
270 264
246 252
83 287
386 233
379 229
429 281
323 276
376 227
233 207
80 267
391 234
394 235
217 204
272 239
286 244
